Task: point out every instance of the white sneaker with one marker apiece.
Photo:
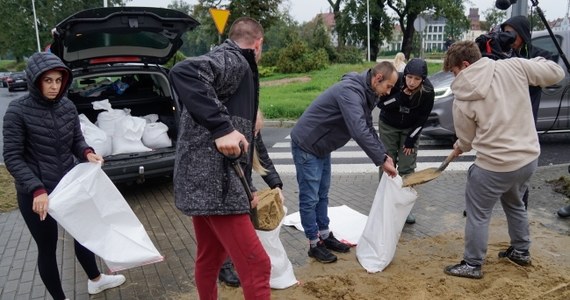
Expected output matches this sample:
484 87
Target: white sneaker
104 282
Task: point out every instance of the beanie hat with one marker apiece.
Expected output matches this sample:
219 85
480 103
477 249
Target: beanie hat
416 66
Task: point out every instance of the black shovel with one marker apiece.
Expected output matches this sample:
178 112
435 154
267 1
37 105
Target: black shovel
234 160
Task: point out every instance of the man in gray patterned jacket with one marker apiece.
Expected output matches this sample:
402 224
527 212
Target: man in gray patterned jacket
219 92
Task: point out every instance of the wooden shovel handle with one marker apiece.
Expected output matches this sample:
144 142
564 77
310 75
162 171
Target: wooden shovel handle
446 162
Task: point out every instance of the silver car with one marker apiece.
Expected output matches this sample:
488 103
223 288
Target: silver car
554 110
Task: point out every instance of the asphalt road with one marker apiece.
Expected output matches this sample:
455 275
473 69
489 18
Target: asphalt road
554 147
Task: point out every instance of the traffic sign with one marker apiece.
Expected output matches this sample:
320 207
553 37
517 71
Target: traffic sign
220 17
420 24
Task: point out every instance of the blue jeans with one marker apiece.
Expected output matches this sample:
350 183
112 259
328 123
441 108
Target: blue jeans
314 179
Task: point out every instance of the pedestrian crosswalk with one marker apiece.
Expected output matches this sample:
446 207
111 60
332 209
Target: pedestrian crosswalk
351 158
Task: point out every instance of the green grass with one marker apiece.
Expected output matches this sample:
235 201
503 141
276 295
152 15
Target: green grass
11 65
288 100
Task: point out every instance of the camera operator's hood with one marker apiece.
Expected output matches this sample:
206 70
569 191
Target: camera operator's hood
521 26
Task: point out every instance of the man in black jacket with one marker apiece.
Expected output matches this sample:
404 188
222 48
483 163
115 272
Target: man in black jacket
522 47
219 92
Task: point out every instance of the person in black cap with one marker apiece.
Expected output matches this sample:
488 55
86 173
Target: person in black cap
522 47
403 114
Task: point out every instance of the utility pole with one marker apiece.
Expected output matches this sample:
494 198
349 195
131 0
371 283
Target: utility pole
36 26
520 8
368 25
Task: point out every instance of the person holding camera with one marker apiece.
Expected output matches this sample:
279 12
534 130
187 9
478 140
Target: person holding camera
522 47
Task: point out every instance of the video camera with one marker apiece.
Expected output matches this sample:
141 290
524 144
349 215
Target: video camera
496 44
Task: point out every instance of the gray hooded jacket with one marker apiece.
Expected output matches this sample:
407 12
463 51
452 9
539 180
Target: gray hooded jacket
342 112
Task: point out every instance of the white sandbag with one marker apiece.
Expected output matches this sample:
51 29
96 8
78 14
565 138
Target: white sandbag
155 136
88 206
282 275
392 204
95 137
151 118
128 135
346 223
108 119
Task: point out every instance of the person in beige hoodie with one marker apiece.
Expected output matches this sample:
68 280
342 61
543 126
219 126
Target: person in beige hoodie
492 115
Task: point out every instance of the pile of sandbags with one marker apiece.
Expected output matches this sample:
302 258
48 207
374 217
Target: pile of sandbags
116 131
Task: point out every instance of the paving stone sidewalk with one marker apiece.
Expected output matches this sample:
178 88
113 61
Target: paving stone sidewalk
438 209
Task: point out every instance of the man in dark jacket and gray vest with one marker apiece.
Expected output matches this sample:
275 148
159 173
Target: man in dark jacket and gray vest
219 92
342 112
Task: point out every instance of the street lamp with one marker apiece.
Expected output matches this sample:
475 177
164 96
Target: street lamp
36 25
368 25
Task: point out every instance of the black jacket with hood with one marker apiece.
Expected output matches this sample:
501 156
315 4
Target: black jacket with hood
42 138
408 111
522 27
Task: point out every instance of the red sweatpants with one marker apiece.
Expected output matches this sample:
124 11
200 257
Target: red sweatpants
218 236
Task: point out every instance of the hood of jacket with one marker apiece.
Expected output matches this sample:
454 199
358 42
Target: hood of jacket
473 83
38 64
364 79
418 67
521 26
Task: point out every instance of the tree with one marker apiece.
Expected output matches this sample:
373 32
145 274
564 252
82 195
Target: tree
335 5
535 21
265 11
493 17
18 36
353 25
408 10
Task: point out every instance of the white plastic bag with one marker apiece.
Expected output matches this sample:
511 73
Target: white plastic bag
392 204
95 137
128 135
155 136
282 275
88 206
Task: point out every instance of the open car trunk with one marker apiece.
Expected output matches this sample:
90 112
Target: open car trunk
143 93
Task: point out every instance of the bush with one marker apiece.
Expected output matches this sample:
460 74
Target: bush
297 58
349 55
266 71
269 58
178 57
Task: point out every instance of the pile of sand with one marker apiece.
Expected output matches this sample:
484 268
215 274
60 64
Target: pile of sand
417 272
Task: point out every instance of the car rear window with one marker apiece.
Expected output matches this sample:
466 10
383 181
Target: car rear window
101 39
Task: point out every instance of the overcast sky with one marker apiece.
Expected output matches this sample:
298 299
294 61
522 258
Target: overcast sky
305 10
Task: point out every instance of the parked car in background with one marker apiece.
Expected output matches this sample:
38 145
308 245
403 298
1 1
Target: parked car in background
554 110
116 53
3 77
17 81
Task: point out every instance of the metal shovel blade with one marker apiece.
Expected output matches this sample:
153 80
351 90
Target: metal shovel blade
427 175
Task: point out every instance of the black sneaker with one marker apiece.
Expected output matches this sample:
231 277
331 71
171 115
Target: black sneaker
321 253
228 275
411 219
519 257
463 269
335 245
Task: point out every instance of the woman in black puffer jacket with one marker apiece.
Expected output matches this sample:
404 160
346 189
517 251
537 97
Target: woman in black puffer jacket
42 142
